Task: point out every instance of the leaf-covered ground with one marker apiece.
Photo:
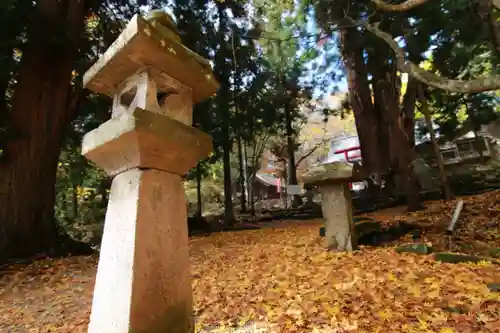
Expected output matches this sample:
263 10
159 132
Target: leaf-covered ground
282 280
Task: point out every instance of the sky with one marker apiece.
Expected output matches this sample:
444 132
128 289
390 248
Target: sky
341 86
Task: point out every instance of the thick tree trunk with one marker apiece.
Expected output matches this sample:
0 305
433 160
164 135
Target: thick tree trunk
360 99
38 119
408 114
380 70
401 146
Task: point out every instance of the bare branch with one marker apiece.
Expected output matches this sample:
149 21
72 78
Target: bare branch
489 83
401 7
311 151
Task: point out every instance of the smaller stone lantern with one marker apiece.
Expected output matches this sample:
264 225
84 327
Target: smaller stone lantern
336 203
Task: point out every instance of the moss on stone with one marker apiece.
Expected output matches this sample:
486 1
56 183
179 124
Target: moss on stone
330 172
163 18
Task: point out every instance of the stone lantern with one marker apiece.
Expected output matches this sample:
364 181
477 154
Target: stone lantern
336 203
143 280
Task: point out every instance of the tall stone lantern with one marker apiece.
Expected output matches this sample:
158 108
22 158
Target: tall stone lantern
143 281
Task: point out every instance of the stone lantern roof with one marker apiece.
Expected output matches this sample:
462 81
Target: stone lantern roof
154 44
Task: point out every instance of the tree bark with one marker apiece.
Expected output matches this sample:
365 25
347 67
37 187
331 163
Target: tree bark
103 189
38 119
408 114
448 195
292 169
74 201
243 197
360 99
245 171
199 203
402 149
222 74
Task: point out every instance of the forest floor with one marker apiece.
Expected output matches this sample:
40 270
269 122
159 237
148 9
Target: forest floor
282 280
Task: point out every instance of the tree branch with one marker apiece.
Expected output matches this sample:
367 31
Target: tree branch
489 83
401 7
311 151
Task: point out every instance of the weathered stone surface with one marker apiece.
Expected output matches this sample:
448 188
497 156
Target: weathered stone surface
494 287
140 91
330 172
145 139
424 174
460 258
143 282
142 45
418 248
337 212
159 17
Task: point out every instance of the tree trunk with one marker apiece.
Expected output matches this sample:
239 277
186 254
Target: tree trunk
241 166
408 114
448 195
402 149
199 203
252 196
228 195
74 201
379 71
245 171
222 74
360 99
292 169
38 119
103 188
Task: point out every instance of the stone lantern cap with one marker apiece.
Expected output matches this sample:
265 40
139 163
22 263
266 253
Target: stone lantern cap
335 172
151 44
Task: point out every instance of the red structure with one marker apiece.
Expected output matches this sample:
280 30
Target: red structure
346 153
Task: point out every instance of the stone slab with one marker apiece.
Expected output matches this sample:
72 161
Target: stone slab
329 172
144 139
143 282
141 45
